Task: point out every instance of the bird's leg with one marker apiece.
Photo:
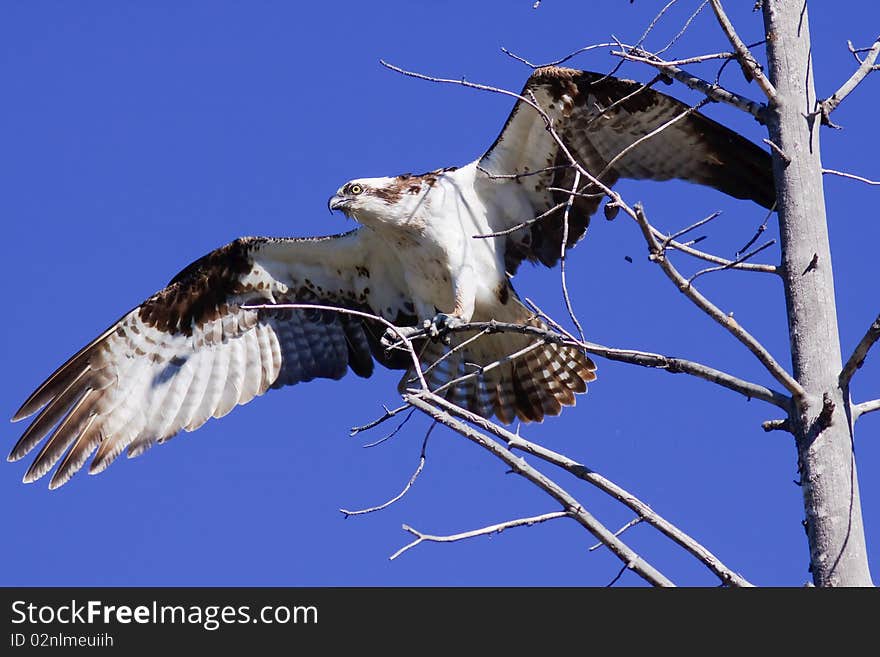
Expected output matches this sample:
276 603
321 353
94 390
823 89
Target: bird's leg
465 299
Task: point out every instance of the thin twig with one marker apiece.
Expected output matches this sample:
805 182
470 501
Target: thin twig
758 232
684 28
825 107
394 432
459 347
524 224
623 496
751 67
491 529
559 61
406 488
616 577
708 257
521 467
657 254
738 261
562 253
370 425
692 227
851 176
857 359
631 523
517 176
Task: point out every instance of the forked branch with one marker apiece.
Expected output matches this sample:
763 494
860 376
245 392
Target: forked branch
484 531
569 504
751 68
825 107
642 510
857 359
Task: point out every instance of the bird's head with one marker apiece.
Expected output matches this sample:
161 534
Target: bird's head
373 201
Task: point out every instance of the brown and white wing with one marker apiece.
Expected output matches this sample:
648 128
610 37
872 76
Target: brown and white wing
192 351
600 118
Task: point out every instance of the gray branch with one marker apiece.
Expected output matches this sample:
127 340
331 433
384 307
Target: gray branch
867 66
579 470
519 466
865 407
670 364
751 67
658 255
857 359
709 89
484 531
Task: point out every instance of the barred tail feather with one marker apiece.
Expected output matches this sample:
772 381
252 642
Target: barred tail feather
483 378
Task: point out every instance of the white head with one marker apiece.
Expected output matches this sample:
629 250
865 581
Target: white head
383 201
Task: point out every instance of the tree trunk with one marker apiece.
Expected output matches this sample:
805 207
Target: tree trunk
821 420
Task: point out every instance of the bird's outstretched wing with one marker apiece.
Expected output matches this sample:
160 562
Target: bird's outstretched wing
191 352
600 118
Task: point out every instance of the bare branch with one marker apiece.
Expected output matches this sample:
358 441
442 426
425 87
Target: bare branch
520 467
776 425
562 253
738 261
751 67
851 176
370 425
696 59
631 523
654 22
758 232
684 28
524 224
692 227
657 254
406 488
491 529
582 472
825 107
641 358
459 347
394 431
865 407
857 359
778 150
708 257
711 90
681 366
517 176
556 62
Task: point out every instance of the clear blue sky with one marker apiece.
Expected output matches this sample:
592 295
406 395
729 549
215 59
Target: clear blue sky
138 136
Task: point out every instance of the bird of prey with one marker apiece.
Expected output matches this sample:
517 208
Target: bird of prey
195 350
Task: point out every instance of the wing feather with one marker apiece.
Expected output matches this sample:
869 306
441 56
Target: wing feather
601 120
192 351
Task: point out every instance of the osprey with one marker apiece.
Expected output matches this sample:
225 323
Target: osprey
195 350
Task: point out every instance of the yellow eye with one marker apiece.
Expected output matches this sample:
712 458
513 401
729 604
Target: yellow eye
355 189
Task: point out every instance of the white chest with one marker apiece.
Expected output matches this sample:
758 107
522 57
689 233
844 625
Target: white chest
441 256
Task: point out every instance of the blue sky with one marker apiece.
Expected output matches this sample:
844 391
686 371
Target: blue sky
138 136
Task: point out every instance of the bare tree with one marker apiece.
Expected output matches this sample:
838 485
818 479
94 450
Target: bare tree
813 398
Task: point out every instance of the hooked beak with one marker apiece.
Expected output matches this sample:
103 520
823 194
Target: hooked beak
337 202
